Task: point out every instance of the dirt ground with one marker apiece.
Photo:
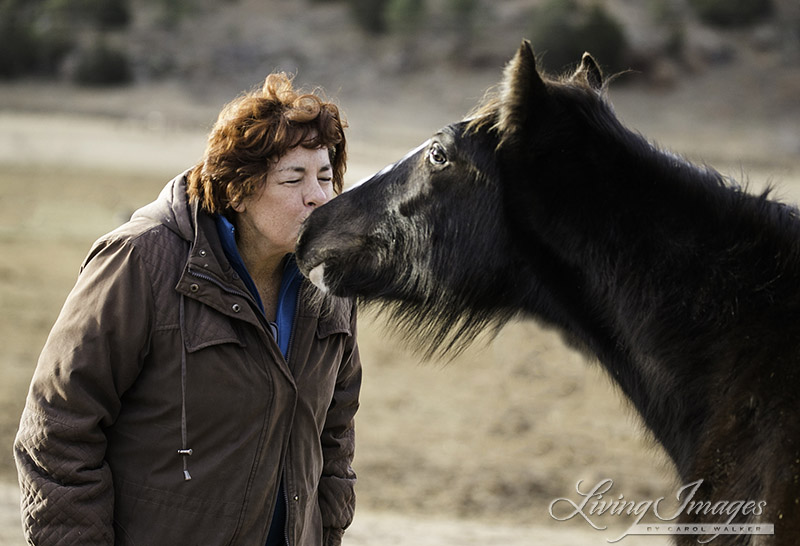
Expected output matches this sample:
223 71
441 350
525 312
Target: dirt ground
472 452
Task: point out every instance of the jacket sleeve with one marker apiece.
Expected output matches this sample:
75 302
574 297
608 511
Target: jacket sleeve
336 488
93 354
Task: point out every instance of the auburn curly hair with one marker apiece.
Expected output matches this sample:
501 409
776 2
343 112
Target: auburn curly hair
254 131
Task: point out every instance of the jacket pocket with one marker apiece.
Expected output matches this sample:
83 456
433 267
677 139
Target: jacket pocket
204 327
145 516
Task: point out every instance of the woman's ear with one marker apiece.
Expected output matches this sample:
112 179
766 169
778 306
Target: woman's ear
238 206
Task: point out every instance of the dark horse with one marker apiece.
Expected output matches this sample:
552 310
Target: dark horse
683 285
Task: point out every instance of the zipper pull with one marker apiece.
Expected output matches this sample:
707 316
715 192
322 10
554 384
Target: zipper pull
185 453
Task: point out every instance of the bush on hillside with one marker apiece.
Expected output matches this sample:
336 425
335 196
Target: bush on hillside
17 48
102 65
37 35
404 16
109 13
731 13
563 30
370 15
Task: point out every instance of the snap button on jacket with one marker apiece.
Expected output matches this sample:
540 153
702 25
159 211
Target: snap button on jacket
160 363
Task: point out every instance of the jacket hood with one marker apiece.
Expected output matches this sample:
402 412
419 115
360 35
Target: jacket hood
172 208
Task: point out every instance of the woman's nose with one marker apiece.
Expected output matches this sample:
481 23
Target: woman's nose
317 195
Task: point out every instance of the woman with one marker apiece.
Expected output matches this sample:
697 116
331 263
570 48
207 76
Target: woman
195 389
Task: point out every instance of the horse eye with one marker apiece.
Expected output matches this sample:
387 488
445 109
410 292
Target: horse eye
436 155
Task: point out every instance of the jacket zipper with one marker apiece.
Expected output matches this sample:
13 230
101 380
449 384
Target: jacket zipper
291 339
286 501
288 356
211 279
294 324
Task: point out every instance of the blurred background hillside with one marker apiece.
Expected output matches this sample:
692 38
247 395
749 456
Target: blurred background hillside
351 45
103 101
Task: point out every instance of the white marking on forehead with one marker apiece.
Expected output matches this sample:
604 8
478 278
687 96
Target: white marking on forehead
415 150
391 166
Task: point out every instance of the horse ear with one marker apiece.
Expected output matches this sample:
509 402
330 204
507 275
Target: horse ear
521 88
589 72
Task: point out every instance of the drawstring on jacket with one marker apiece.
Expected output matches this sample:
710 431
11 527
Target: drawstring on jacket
184 451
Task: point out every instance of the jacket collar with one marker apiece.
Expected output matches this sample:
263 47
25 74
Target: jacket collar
206 264
206 260
172 208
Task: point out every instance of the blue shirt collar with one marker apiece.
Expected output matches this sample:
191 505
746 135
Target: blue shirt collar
290 282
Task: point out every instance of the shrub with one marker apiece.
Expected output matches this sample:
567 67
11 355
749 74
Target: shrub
603 37
17 48
404 16
51 48
370 15
554 33
170 13
563 30
36 35
731 13
463 8
110 13
102 65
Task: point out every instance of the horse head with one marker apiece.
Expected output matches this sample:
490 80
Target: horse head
430 234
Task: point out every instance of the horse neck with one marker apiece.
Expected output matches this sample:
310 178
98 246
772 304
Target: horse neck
631 285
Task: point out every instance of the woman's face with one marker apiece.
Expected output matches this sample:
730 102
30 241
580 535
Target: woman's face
298 183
